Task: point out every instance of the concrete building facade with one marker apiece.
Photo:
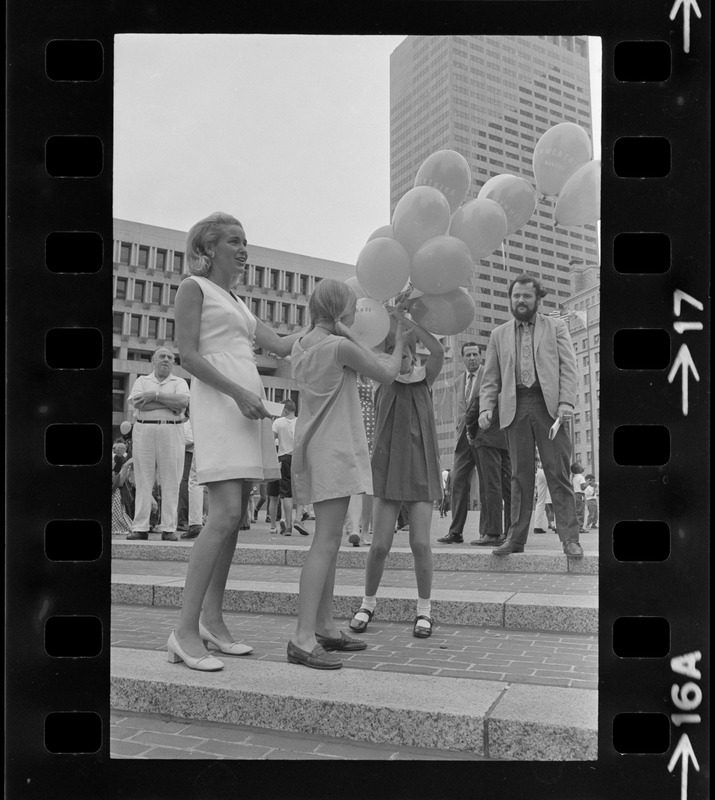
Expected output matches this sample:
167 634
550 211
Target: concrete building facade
584 326
491 98
149 264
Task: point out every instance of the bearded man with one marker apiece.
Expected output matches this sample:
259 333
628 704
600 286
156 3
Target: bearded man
530 371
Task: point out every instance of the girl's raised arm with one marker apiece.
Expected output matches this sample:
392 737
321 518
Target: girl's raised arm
383 369
433 365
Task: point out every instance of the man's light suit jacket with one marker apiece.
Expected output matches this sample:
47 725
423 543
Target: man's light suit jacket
555 367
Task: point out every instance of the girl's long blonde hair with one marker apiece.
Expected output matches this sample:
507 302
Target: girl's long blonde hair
332 300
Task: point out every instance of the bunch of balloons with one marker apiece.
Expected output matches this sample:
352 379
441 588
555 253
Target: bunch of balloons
430 248
435 237
563 169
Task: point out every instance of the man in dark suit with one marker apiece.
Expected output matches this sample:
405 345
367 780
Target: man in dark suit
465 458
530 372
494 467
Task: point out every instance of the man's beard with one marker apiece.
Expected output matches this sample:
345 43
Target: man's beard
524 314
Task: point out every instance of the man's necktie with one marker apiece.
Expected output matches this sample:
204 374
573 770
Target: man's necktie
527 356
468 386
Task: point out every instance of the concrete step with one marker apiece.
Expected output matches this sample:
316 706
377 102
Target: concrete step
162 736
541 611
462 558
488 718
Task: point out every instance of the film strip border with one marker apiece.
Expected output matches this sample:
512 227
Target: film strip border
654 406
655 274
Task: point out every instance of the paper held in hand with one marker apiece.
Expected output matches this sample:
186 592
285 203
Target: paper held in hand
274 409
555 428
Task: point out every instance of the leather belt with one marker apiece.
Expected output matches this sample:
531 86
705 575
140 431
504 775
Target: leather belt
160 422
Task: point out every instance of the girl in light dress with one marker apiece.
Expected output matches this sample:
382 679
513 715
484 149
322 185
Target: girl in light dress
330 458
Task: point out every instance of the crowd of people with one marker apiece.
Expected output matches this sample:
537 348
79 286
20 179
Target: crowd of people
362 453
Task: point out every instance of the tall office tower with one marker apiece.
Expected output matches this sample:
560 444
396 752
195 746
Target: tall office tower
490 98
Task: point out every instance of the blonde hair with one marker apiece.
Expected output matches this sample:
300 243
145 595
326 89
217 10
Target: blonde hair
202 238
332 300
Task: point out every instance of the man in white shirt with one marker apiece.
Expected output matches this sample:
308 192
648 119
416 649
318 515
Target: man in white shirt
465 456
284 431
159 399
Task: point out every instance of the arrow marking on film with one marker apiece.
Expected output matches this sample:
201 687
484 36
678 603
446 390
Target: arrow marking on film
684 360
687 5
685 751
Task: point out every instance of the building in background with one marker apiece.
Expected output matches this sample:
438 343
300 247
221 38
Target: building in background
490 98
149 264
583 310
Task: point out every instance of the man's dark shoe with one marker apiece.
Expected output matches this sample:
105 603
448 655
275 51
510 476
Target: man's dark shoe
193 532
134 535
573 549
167 536
507 549
486 541
450 538
539 530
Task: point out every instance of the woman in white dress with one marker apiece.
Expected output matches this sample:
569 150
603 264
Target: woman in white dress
233 440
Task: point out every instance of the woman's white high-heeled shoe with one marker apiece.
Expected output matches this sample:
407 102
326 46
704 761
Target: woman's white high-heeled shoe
205 663
229 648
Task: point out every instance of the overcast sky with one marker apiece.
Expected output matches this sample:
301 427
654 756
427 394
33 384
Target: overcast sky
291 134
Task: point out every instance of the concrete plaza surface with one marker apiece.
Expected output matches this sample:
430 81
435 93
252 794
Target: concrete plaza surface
521 686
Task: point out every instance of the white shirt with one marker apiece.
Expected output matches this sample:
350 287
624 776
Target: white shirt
284 430
576 481
189 435
150 383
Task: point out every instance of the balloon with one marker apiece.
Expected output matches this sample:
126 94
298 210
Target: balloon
559 153
421 213
515 195
372 322
481 224
441 265
384 231
448 171
354 284
444 314
579 202
125 427
383 268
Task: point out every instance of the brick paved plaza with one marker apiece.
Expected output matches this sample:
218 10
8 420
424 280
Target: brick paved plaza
497 655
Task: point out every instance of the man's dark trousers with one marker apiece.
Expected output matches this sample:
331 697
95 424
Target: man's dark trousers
465 460
494 490
530 427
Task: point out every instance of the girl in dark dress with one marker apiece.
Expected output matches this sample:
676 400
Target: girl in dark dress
405 469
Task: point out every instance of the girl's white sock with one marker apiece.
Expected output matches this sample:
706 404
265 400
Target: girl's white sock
424 608
369 602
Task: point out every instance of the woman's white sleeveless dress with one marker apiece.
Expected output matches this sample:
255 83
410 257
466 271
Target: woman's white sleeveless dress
228 445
